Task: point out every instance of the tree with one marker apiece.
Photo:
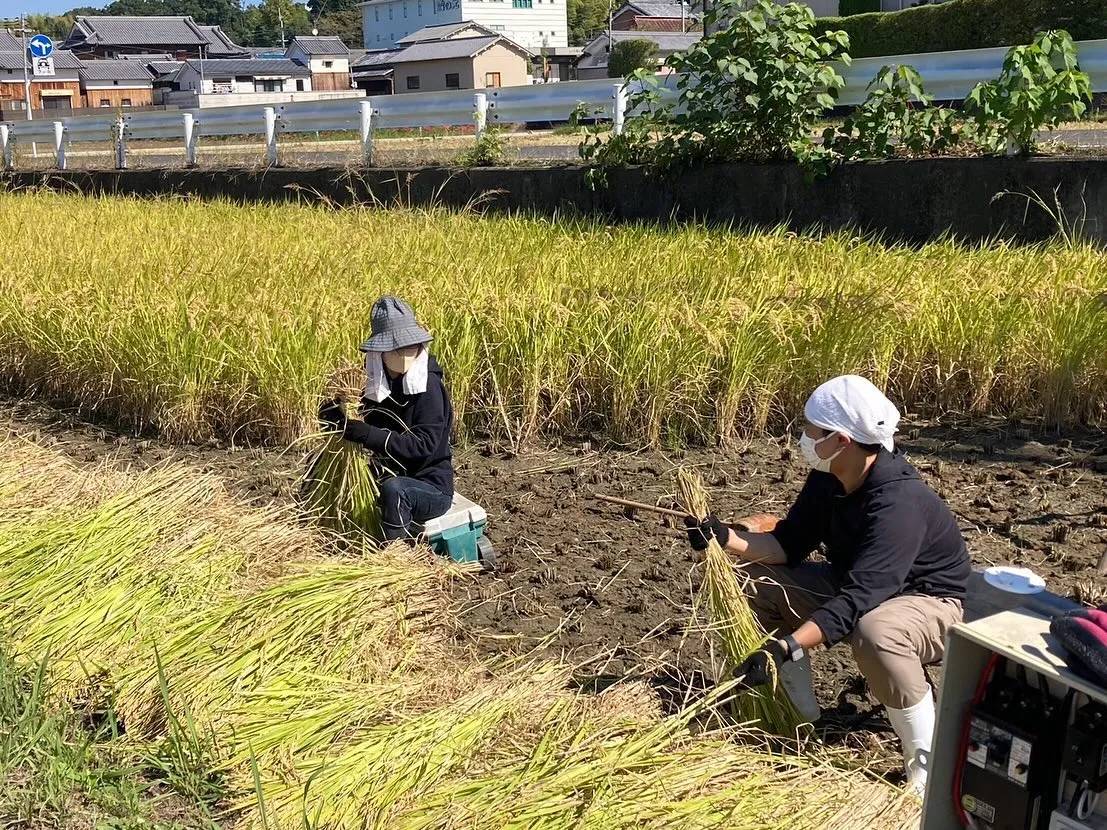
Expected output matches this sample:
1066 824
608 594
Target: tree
629 55
586 18
55 26
262 24
345 25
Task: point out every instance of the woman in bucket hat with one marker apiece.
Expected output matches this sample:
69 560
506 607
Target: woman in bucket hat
407 419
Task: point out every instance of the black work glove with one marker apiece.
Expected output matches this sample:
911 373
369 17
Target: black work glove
761 667
700 532
332 417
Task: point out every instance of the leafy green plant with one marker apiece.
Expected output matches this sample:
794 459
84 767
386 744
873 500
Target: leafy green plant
752 90
490 150
897 112
628 55
1040 86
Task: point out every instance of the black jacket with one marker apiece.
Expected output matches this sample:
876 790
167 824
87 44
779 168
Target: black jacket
891 536
411 433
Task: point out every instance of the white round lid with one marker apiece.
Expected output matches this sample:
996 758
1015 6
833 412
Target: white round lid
1014 580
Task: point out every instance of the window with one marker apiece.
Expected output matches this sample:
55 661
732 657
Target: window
389 12
328 64
412 81
377 17
453 80
405 8
104 102
492 79
420 8
378 38
126 102
522 4
299 86
497 28
268 86
56 103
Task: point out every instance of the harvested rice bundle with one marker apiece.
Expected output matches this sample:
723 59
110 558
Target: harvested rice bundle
733 620
340 488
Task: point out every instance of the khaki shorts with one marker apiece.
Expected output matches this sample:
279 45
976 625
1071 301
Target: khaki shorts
891 643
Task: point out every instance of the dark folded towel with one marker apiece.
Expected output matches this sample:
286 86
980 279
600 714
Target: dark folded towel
1083 633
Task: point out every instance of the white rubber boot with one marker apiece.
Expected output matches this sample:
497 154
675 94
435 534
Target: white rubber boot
795 677
915 728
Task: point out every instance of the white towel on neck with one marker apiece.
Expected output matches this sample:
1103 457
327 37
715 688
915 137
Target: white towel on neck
377 384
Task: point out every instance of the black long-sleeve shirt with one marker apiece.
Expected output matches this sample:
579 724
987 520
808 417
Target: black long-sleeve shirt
892 536
411 433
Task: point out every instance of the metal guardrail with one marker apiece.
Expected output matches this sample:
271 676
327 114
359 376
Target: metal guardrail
948 76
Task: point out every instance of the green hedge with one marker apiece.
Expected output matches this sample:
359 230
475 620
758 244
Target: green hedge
967 24
848 8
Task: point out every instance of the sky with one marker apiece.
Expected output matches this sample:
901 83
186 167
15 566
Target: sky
14 7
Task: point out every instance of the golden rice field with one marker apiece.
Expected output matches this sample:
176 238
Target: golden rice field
325 689
216 320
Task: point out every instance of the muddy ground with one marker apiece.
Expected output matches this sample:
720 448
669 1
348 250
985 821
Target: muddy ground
580 578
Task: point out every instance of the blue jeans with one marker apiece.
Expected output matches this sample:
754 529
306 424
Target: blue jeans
406 500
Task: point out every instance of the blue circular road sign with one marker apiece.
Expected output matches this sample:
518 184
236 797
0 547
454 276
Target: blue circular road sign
41 46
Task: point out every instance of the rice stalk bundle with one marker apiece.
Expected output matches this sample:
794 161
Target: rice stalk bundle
733 621
340 488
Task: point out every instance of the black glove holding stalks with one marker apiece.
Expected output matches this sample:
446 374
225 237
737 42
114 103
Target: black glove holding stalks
762 666
701 532
332 418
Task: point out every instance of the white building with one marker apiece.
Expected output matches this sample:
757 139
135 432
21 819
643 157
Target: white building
533 24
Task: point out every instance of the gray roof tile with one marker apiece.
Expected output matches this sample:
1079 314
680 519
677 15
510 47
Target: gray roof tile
114 71
443 31
380 57
650 8
62 60
320 45
219 43
9 42
138 31
248 66
436 50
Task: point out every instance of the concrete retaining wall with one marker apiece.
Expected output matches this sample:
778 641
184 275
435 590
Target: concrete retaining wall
913 201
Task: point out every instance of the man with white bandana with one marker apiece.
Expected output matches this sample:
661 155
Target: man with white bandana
895 573
407 420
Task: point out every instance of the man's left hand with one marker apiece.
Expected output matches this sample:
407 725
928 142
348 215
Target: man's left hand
761 667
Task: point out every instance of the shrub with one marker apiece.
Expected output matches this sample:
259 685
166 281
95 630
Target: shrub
626 56
968 24
752 91
1040 86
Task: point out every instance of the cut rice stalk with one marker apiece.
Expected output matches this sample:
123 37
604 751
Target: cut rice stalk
734 622
340 487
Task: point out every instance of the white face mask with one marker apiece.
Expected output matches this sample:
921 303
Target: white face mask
399 362
807 447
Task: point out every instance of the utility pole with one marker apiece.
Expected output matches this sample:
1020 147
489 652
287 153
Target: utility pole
27 77
26 68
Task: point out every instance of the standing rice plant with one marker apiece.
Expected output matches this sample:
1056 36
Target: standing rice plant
340 487
733 621
651 334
